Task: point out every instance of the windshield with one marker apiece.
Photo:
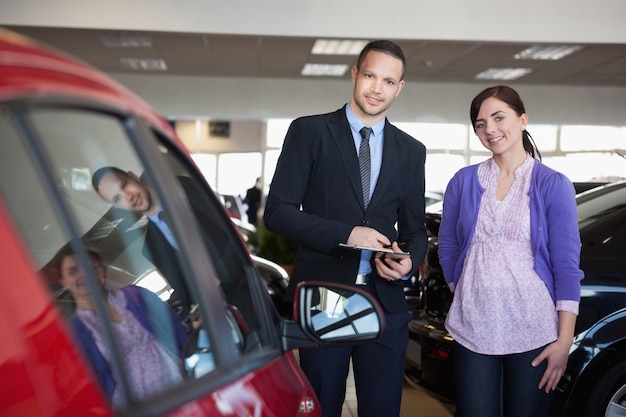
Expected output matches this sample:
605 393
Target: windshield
595 204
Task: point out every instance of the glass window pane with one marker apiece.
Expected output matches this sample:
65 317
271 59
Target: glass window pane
440 168
237 172
590 138
544 136
135 271
276 131
437 135
146 356
207 164
588 166
271 159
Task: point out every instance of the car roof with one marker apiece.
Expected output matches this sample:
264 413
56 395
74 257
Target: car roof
30 69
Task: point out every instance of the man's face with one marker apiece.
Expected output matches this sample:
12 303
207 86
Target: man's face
125 192
376 84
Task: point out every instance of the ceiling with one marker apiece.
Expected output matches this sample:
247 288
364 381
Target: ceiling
211 55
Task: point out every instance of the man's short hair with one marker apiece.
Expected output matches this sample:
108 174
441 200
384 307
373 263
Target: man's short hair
101 172
384 46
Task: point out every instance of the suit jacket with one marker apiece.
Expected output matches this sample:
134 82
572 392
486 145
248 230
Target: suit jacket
165 258
315 199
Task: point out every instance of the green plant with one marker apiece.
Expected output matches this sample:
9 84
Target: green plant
273 246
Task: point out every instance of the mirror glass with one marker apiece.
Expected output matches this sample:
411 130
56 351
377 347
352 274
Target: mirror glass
340 312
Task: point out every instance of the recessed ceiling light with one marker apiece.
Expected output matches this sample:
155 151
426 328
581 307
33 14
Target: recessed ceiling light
319 70
125 40
552 52
503 73
337 47
144 64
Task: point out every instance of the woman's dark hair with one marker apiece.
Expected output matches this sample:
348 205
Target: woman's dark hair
68 250
509 96
384 46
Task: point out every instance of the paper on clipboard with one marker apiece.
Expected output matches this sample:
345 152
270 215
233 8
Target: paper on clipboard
385 250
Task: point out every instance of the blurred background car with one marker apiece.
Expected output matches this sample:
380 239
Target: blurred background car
432 197
234 206
595 380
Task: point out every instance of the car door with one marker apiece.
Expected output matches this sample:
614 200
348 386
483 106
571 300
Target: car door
231 362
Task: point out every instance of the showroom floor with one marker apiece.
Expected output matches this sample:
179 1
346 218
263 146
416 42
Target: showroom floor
415 403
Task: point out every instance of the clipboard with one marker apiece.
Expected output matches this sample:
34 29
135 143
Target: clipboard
384 250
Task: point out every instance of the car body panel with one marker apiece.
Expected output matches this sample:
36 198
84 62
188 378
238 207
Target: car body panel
35 346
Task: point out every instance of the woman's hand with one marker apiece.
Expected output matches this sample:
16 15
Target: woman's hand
557 353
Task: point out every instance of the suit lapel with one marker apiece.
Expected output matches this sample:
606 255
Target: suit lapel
342 136
392 155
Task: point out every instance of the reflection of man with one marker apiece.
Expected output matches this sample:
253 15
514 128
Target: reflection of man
322 195
124 190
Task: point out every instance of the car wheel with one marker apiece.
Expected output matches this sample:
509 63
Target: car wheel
608 397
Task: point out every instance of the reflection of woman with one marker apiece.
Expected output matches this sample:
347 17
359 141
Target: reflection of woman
509 248
148 333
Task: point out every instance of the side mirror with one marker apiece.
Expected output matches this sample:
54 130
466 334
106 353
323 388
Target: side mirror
336 314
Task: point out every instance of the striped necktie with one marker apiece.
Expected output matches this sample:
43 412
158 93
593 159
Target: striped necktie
365 163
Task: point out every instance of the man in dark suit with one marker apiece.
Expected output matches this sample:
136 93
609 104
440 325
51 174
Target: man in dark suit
318 198
126 191
253 200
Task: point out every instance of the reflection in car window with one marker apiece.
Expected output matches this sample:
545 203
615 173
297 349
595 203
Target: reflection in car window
340 314
76 144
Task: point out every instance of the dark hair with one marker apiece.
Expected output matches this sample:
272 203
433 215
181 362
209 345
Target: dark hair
101 172
387 47
68 250
509 96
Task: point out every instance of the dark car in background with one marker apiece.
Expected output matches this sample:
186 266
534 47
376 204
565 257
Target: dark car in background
595 380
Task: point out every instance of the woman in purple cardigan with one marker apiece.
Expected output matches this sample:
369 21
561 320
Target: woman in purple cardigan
148 332
509 247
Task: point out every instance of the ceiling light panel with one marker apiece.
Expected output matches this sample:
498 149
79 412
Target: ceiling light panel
503 73
144 64
125 40
338 47
321 70
548 52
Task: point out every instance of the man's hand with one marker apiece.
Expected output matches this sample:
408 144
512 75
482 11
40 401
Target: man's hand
393 267
366 236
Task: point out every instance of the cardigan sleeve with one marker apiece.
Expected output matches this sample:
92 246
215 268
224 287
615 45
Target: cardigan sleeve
563 237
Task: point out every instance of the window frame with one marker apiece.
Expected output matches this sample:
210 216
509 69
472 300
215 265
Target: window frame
144 140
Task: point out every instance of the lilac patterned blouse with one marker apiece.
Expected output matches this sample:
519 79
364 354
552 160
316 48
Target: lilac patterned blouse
150 367
501 306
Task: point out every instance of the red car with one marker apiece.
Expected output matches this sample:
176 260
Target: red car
209 318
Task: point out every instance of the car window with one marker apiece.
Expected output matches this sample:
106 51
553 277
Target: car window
179 302
600 219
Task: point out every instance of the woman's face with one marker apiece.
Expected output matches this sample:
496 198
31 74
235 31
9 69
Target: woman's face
73 276
499 128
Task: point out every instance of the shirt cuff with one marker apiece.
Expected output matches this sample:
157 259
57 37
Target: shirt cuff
567 305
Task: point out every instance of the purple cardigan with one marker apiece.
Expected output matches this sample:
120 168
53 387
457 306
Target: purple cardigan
154 315
553 228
